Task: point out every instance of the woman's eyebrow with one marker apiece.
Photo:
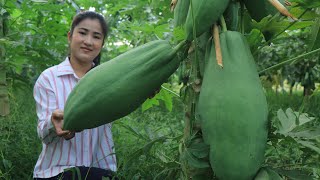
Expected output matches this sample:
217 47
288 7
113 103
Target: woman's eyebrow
85 29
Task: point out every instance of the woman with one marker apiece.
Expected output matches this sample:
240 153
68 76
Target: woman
90 150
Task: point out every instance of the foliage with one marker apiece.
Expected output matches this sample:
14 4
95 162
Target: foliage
19 145
153 137
294 144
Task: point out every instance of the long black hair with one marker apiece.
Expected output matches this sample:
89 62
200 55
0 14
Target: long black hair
91 15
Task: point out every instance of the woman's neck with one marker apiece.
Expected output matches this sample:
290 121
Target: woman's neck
80 68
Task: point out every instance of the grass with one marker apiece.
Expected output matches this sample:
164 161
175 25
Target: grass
19 146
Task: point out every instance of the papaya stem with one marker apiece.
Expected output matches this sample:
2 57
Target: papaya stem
194 68
179 46
242 17
217 46
283 10
193 21
173 5
223 24
292 60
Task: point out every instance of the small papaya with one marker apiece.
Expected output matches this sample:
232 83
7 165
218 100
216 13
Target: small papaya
204 13
258 9
232 110
181 12
231 15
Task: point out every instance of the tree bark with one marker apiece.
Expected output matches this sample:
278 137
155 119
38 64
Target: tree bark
4 98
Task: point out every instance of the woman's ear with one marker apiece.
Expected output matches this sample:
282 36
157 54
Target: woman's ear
69 37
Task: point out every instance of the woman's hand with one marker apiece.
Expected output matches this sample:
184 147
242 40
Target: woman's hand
57 121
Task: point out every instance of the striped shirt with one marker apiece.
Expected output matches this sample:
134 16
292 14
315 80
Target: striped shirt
90 147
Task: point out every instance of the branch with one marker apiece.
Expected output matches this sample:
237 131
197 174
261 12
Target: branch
293 60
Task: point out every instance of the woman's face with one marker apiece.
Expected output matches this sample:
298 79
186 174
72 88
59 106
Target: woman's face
86 41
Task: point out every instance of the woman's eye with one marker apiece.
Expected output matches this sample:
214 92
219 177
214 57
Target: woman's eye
82 33
97 37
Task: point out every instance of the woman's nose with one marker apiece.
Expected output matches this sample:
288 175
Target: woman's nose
88 40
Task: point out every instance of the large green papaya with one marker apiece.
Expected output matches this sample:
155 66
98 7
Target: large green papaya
119 86
258 9
181 12
205 13
233 110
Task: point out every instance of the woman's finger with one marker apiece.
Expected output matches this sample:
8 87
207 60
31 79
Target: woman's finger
69 135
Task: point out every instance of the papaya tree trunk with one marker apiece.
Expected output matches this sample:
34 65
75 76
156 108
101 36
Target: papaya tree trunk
194 152
4 98
308 89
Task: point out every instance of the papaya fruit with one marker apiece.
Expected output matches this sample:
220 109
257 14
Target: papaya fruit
117 87
258 9
232 110
231 15
204 13
181 12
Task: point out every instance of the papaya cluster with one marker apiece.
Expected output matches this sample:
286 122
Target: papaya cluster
232 108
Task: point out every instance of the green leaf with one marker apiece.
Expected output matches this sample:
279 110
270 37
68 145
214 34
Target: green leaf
295 174
254 39
161 30
310 145
262 175
7 164
312 133
274 25
199 149
307 3
179 34
273 174
309 15
105 178
314 38
194 161
149 103
303 118
167 98
289 120
165 95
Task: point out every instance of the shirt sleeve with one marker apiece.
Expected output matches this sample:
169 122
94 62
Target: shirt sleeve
45 104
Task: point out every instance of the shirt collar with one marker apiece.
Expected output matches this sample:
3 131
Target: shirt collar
65 68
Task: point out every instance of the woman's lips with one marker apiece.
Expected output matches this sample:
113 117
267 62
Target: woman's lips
86 49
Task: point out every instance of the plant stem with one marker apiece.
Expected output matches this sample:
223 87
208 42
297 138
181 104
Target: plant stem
223 24
293 60
179 46
174 93
242 18
193 21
